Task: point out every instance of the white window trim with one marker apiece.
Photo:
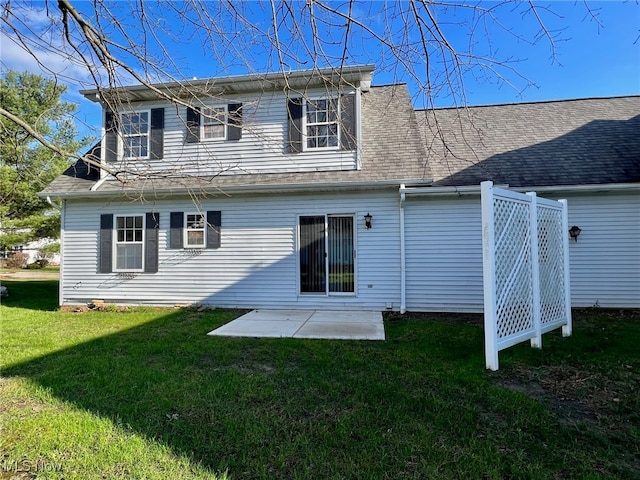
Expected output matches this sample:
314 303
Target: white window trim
305 147
116 243
186 230
224 123
122 135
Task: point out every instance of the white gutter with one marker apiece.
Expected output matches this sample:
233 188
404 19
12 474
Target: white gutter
403 270
605 187
227 190
475 189
465 190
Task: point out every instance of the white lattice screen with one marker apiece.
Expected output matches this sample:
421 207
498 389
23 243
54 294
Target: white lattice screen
526 269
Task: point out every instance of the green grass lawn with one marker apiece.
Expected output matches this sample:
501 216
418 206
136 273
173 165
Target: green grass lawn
147 394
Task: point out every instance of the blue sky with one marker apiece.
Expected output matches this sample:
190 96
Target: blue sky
592 60
592 57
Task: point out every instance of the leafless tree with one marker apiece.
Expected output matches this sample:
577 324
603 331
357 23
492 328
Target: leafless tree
435 46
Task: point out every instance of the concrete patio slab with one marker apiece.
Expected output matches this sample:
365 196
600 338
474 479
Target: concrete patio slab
277 315
342 331
257 328
364 325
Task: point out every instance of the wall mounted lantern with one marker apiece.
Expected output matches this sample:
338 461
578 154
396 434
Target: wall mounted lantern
367 220
574 232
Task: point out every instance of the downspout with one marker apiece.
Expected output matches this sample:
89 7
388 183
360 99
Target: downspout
403 271
99 183
63 211
358 128
50 202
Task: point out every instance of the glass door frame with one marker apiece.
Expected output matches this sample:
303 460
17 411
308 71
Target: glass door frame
327 292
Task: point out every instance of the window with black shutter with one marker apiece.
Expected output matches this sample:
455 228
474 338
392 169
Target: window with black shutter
322 123
195 230
128 243
222 122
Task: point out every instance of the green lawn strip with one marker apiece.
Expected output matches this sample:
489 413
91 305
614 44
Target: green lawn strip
138 393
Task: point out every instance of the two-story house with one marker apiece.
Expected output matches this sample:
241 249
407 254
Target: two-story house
316 189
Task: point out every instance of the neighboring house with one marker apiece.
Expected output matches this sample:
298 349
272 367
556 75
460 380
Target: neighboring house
254 193
32 250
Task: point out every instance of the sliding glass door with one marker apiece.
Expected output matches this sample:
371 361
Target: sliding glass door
327 255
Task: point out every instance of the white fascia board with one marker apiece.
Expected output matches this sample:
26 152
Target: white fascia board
602 188
229 190
358 74
475 189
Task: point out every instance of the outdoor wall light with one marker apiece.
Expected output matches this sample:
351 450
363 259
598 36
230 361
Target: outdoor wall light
574 232
367 220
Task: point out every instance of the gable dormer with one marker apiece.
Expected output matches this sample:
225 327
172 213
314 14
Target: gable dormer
301 121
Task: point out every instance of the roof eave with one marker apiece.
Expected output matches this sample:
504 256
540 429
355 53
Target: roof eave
475 189
244 189
357 75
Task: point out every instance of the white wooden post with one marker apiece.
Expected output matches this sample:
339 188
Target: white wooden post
536 341
489 276
568 328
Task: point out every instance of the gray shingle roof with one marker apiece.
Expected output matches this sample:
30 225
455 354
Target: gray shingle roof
391 150
79 177
572 142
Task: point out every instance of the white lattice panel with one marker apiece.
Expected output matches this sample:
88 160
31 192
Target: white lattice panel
553 311
526 269
514 290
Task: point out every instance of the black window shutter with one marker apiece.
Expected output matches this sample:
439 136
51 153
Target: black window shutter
105 250
176 222
294 140
193 125
234 123
110 137
152 226
157 133
214 221
348 138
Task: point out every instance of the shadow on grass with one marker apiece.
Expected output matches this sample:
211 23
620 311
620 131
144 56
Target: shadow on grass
419 405
32 294
261 408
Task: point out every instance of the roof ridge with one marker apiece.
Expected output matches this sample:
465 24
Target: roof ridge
538 102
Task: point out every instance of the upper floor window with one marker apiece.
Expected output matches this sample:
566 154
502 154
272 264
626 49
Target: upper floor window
321 121
223 122
326 123
194 233
214 120
135 134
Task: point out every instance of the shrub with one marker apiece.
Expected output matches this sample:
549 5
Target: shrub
48 251
34 266
17 260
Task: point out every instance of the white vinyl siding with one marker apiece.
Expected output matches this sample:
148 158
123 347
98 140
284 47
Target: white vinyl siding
256 265
262 148
444 252
605 261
